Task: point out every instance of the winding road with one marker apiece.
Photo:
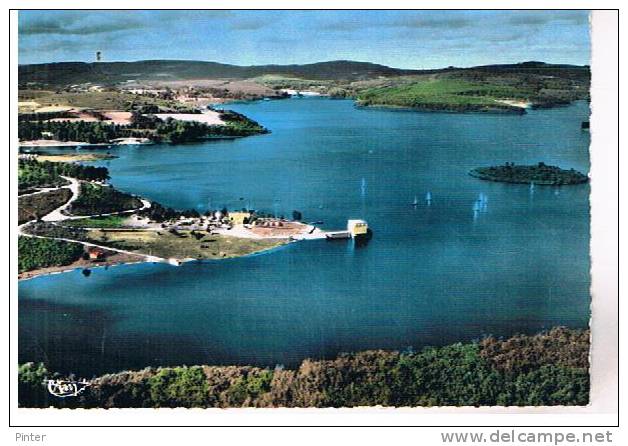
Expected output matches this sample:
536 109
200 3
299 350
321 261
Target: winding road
57 215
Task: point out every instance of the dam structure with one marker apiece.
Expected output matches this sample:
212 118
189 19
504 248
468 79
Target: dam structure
355 229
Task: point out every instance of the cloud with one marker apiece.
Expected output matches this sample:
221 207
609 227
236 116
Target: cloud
57 45
423 22
504 37
545 17
72 24
40 27
409 21
187 16
344 26
73 45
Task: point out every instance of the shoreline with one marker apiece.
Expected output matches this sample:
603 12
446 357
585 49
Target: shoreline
570 343
485 177
54 270
512 110
120 259
37 143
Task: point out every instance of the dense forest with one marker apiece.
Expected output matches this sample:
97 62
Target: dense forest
79 131
39 174
94 199
237 122
35 253
159 213
540 174
44 116
143 126
550 368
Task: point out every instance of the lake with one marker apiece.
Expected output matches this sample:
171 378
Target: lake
478 258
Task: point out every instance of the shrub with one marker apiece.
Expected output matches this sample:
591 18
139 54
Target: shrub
179 387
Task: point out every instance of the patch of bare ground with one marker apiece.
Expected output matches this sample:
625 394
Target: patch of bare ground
208 117
118 117
35 206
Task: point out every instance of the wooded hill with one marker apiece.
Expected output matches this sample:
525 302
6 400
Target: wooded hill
109 73
550 368
66 73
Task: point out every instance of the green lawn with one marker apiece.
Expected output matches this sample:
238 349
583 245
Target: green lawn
111 221
181 245
440 92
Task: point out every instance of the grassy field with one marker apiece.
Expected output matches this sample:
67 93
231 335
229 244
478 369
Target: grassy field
420 91
441 93
78 157
480 89
181 245
111 221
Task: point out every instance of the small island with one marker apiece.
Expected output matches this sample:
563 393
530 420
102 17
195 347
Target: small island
540 174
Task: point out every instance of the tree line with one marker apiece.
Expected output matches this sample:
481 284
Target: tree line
142 126
550 368
33 173
94 199
35 253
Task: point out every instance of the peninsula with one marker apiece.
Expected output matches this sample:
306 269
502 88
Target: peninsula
71 218
76 126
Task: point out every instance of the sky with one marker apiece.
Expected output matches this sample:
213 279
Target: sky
401 39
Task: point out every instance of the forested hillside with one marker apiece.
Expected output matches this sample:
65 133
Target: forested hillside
551 368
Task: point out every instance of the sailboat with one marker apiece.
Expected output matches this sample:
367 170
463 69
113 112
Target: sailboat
415 203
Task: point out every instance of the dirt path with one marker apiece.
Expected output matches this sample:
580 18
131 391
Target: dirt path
148 258
57 215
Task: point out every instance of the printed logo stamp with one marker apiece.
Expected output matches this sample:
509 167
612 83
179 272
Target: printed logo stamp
64 388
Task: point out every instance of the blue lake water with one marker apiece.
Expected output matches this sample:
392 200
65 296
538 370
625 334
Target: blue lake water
481 258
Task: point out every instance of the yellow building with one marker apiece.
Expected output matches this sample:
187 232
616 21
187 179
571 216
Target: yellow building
237 218
357 227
